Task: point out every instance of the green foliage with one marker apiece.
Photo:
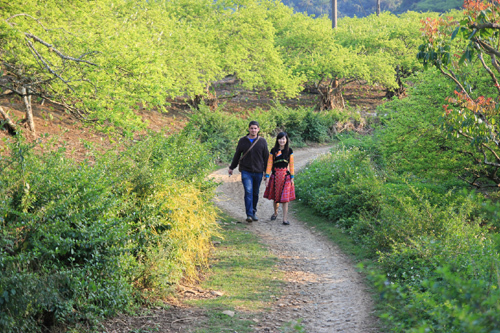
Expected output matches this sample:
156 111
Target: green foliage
387 39
411 138
128 54
220 130
341 186
314 52
459 47
80 241
450 301
412 227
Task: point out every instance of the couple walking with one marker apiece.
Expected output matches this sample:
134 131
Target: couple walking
254 158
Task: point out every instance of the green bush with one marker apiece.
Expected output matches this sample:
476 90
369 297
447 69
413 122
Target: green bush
450 301
221 130
341 186
410 137
81 240
413 227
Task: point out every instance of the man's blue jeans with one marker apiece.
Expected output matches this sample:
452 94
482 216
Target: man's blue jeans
251 183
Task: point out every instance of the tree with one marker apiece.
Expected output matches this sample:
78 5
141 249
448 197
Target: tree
54 64
466 51
103 59
391 39
314 52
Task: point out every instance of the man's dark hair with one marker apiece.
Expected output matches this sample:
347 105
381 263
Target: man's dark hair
254 122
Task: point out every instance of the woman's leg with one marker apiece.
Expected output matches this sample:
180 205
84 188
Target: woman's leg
276 206
285 211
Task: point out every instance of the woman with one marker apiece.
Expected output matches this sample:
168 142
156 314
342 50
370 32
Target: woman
279 176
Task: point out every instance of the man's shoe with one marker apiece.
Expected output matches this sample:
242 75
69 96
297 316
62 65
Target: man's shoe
249 219
255 218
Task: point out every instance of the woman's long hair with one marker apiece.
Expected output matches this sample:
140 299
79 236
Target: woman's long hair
277 145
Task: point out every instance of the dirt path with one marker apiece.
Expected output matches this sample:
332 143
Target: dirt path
323 289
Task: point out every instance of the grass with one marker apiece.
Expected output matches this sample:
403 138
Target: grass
246 272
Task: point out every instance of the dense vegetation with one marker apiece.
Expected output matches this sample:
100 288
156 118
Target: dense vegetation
409 193
82 240
105 60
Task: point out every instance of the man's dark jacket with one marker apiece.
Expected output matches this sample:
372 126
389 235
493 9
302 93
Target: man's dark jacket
255 160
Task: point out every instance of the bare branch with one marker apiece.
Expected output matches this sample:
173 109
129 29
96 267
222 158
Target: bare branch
494 154
24 14
17 92
75 111
471 183
487 48
488 25
317 85
494 62
42 59
452 76
56 51
483 152
493 77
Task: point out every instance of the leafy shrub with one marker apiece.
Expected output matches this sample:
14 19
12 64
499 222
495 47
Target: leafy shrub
411 138
435 243
447 302
221 130
80 240
341 186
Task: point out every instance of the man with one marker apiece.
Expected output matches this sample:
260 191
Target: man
251 154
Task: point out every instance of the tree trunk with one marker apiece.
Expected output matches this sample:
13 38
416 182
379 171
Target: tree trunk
400 91
210 100
9 124
195 102
29 111
330 96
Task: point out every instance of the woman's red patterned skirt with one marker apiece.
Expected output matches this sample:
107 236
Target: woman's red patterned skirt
280 187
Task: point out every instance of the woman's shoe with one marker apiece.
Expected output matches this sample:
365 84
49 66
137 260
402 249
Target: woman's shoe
286 223
273 217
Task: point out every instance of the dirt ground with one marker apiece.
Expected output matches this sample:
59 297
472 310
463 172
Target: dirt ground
322 288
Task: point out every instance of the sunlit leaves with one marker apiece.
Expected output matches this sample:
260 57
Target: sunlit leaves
146 51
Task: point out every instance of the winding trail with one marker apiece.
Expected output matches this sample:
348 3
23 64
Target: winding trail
322 286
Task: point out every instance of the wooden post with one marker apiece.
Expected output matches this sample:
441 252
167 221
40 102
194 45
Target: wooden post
334 14
378 7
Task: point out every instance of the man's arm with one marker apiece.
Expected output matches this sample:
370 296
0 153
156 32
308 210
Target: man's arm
265 152
236 158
